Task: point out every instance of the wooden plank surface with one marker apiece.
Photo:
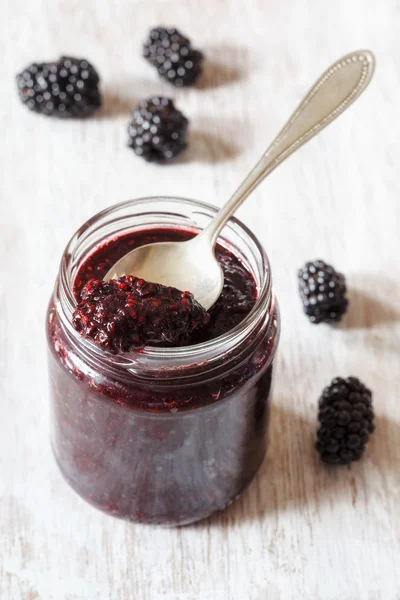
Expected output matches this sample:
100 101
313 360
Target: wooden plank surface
301 530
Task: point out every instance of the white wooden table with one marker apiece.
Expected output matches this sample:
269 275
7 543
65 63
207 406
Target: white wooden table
301 530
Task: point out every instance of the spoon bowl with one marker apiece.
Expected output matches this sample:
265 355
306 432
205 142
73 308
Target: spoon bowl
191 265
157 263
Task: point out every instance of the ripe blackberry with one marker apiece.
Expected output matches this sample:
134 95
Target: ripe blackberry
67 88
323 292
171 53
158 130
346 419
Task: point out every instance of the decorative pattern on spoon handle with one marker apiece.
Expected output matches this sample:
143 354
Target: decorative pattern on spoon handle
334 91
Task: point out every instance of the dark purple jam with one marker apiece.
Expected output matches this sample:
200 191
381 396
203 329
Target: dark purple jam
153 443
127 313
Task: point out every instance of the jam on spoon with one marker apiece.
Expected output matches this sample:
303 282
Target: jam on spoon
128 313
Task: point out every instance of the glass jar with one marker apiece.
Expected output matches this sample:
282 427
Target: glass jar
164 435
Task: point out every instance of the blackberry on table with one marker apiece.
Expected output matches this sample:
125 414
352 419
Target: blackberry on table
173 56
66 88
346 418
323 292
157 131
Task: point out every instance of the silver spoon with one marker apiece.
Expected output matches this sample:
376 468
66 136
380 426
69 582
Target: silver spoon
192 265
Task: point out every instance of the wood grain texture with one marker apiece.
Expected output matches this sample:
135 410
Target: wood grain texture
301 530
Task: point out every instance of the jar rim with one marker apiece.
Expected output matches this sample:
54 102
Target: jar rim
191 354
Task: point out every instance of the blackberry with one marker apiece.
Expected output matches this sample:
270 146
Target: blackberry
171 53
323 292
158 130
67 88
346 419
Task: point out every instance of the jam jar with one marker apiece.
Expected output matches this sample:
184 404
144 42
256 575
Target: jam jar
161 435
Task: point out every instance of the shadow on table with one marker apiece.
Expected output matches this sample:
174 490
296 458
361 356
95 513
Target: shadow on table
367 310
121 99
293 477
207 147
114 105
231 65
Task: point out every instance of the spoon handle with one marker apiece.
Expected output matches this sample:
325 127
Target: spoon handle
332 93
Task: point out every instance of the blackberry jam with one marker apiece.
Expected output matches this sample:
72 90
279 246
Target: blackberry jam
163 435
